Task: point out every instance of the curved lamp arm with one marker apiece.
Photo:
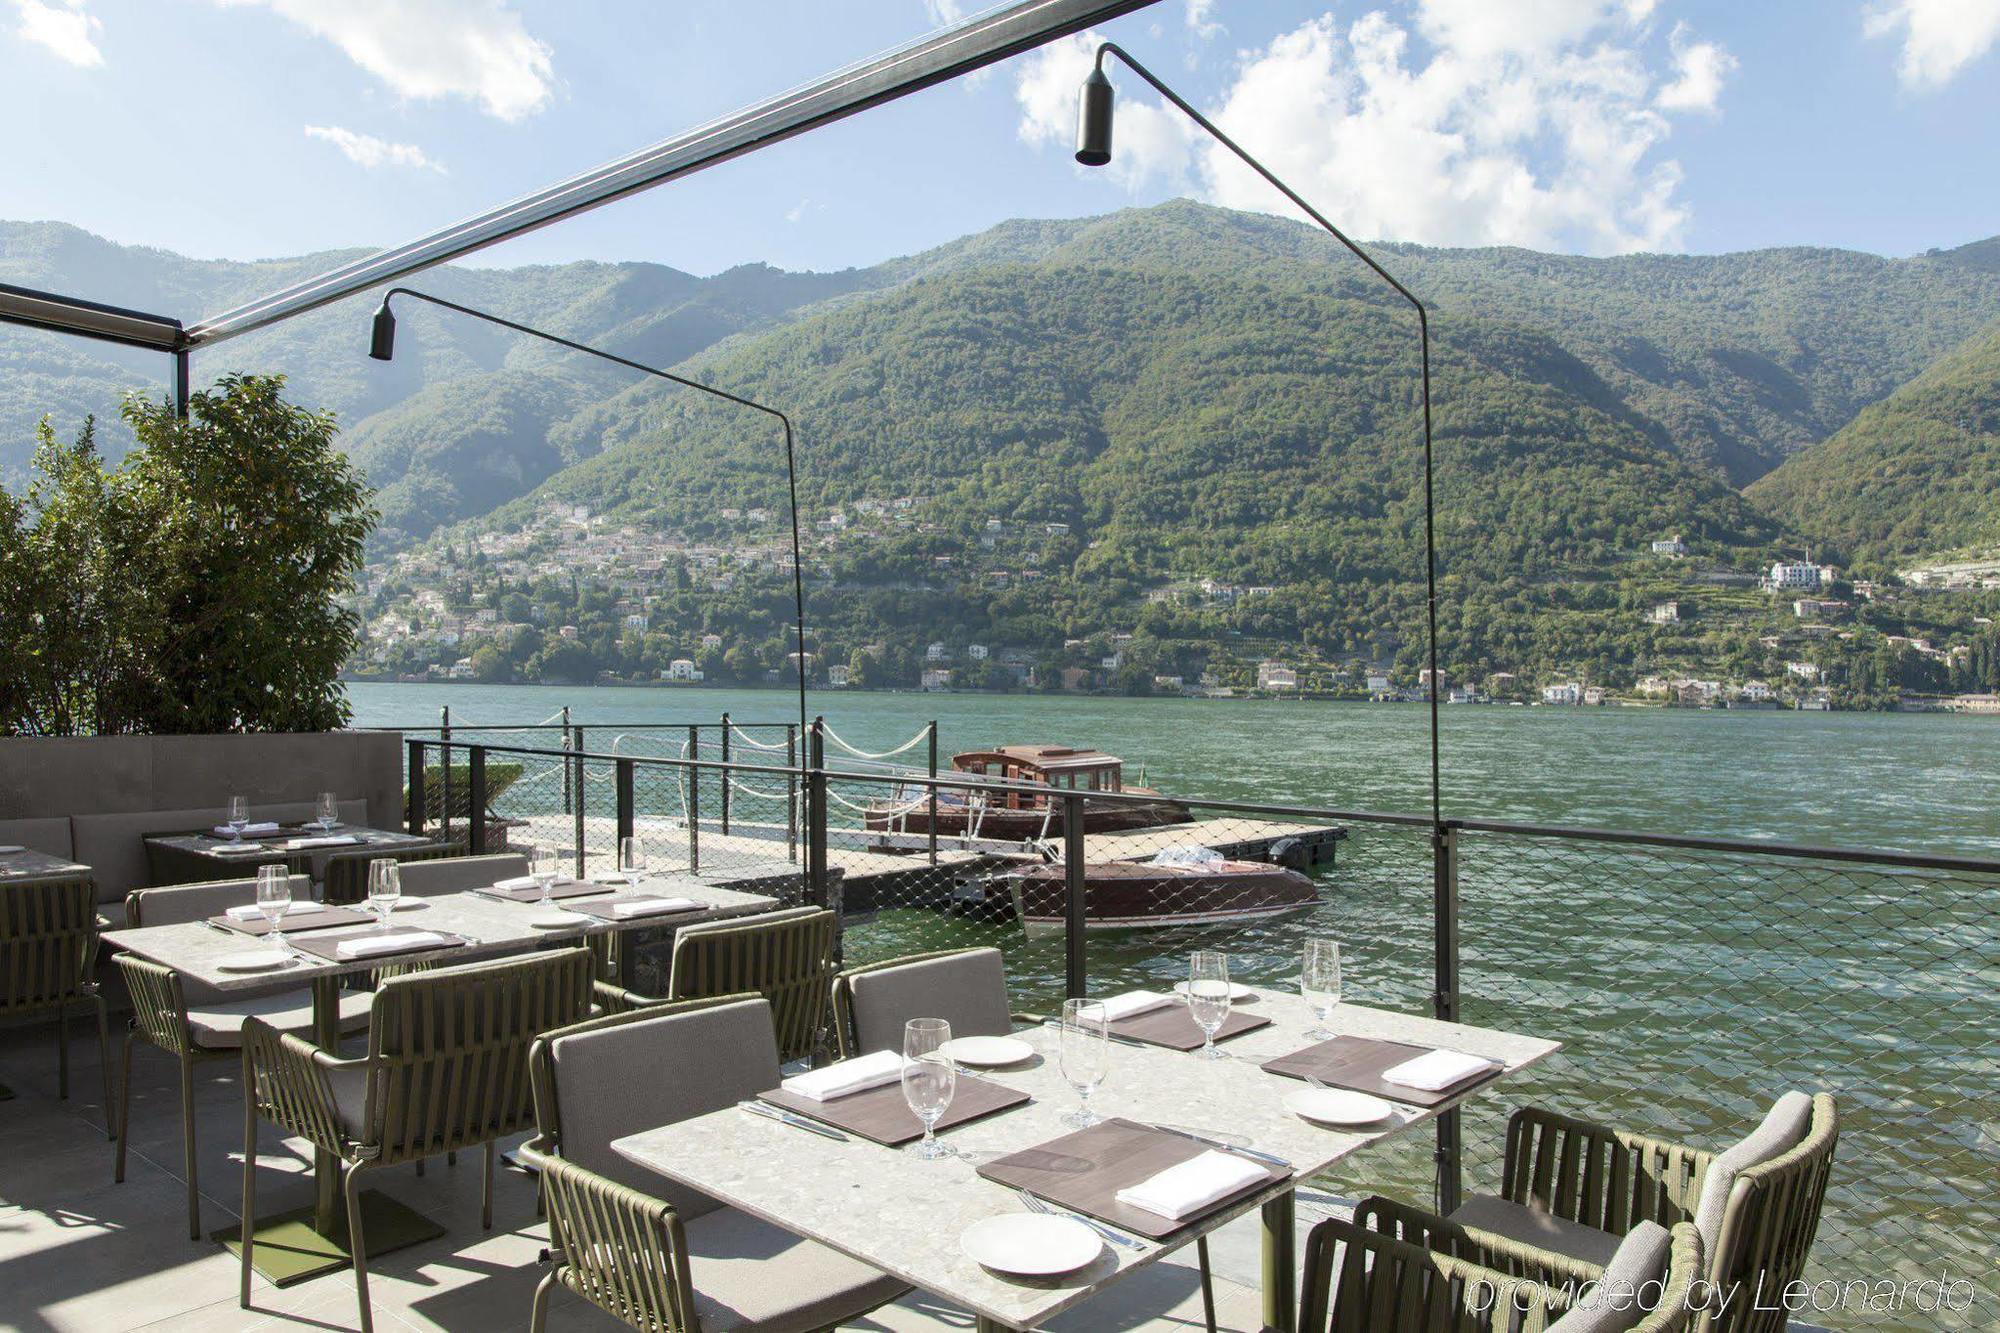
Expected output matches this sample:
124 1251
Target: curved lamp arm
382 347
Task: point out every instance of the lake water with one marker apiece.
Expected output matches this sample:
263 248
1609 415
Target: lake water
1688 988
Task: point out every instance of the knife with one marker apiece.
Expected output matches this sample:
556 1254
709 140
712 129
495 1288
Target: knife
1109 1036
796 1121
1269 1159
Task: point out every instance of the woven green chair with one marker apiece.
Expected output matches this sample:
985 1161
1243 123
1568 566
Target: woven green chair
1571 1188
48 957
1360 1280
661 1256
346 878
785 956
447 1068
194 1022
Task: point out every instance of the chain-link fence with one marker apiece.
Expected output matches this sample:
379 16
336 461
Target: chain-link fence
1690 980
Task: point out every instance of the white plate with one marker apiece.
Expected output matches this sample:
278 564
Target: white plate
236 848
411 904
988 1052
1338 1106
264 960
611 877
557 921
1030 1244
1237 990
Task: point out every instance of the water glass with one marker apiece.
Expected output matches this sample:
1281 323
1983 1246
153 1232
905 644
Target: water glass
929 1079
274 899
1208 996
385 888
239 815
632 859
1084 1049
1319 984
329 811
545 866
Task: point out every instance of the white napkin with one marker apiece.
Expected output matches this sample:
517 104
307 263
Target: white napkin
849 1076
1434 1071
245 912
367 946
1194 1184
233 848
325 840
1132 1002
529 882
632 907
256 830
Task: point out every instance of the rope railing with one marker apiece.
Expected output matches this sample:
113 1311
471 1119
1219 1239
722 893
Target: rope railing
922 736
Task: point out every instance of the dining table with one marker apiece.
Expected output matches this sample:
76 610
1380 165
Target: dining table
303 848
18 863
892 1209
484 926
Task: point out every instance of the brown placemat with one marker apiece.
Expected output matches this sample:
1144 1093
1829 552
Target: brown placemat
317 918
576 888
1174 1027
882 1116
602 910
1084 1172
327 946
1357 1063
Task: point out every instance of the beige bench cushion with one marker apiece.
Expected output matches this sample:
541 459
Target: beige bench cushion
750 1274
50 835
219 1027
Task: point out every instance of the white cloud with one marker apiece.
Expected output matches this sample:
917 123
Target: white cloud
1471 124
1200 19
945 13
1700 68
64 28
1940 37
368 151
426 49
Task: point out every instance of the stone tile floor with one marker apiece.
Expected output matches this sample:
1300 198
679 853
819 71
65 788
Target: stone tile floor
78 1252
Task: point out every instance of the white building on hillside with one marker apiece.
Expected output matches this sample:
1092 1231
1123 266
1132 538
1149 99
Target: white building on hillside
1276 676
681 668
1787 574
1569 692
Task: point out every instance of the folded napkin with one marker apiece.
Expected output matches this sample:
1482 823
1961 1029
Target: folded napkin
1434 1071
849 1076
1194 1184
232 848
324 840
529 882
1132 1002
405 941
632 907
256 830
245 912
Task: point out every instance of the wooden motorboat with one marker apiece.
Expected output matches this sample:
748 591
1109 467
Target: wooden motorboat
1174 889
1021 805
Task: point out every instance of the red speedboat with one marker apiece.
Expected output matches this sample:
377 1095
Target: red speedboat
1181 887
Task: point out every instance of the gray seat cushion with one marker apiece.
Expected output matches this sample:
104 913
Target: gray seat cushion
750 1274
219 1027
50 835
456 874
968 990
175 903
1617 1301
619 1080
1537 1227
1784 1126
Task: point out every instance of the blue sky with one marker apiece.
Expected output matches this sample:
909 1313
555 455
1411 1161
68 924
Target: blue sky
248 128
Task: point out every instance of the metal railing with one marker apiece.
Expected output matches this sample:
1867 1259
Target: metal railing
1691 979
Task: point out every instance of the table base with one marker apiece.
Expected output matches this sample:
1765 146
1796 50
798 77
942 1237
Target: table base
290 1250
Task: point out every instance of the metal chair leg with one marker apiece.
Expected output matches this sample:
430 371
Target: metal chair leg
1207 1284
248 1233
357 1246
486 1188
124 1110
62 1051
104 1062
538 1318
188 1148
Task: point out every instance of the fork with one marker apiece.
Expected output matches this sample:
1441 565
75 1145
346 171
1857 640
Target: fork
1035 1204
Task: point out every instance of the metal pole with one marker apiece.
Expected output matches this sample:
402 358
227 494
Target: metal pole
1444 1000
565 771
475 800
577 733
1076 973
816 888
791 793
414 814
725 775
181 384
694 799
934 790
626 818
444 750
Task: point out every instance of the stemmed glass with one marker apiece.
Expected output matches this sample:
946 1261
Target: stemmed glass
1319 984
544 866
1085 1053
632 859
239 816
385 889
329 812
1208 997
929 1080
274 899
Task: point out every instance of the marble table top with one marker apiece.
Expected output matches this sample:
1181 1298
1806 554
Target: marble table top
31 864
903 1215
194 949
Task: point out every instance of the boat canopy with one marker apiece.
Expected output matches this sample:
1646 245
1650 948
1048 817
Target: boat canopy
1055 765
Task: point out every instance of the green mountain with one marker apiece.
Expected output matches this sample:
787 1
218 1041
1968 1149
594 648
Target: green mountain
1915 474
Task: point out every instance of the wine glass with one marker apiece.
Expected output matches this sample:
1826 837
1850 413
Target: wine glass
1319 984
385 888
1208 996
329 811
239 815
929 1079
544 865
274 899
632 859
1085 1052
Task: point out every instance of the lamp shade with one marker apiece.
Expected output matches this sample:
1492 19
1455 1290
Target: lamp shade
1093 120
382 341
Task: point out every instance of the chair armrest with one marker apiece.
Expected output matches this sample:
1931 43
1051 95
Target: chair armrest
287 1075
615 999
1598 1175
1384 1282
159 1005
1426 1230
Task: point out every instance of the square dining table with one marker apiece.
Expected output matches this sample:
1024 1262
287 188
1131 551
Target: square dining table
901 1214
27 863
201 854
492 927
